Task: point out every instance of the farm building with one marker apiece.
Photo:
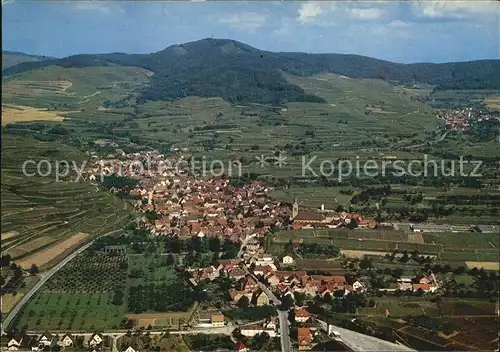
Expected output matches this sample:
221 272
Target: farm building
217 320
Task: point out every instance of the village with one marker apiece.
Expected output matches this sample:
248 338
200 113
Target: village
461 119
177 205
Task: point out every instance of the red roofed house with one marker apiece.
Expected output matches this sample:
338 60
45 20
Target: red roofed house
304 339
249 284
241 347
301 315
424 287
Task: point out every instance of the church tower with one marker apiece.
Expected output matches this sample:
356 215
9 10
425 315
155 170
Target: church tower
295 208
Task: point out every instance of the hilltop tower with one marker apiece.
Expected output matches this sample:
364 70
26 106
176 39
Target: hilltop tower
295 208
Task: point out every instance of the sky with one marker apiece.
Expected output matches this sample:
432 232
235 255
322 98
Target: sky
401 31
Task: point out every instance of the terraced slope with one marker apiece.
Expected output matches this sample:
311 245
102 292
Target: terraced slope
46 219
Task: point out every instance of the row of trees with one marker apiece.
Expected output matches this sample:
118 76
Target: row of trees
172 296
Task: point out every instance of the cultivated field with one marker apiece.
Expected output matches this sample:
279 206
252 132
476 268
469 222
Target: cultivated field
46 216
332 266
474 248
71 88
47 255
172 319
484 265
17 113
9 300
493 103
84 294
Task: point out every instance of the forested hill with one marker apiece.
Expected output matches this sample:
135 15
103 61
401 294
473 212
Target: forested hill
11 58
239 72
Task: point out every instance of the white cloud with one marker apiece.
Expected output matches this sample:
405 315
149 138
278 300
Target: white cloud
330 13
365 14
309 11
454 8
398 24
249 21
92 6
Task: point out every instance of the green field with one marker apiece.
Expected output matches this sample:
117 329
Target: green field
415 306
402 306
465 240
314 197
449 247
82 295
71 88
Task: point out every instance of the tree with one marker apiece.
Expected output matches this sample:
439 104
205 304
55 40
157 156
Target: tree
287 302
237 334
259 341
5 260
170 259
365 263
118 297
244 302
34 269
214 244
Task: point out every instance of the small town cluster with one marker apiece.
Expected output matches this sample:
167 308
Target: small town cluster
461 119
176 205
184 206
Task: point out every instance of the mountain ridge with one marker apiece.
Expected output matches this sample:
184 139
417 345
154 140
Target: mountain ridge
11 58
239 72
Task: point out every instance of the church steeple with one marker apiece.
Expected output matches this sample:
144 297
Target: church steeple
295 208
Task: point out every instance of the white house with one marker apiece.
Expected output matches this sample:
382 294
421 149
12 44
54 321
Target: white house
357 286
95 339
15 342
129 349
45 339
252 330
270 325
66 340
287 260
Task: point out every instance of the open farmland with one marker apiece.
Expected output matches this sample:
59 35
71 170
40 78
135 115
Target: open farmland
45 256
314 197
438 333
493 103
449 248
71 88
49 217
237 132
332 266
97 291
401 307
16 113
467 239
172 319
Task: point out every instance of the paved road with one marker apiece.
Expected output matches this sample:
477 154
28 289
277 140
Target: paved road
43 278
359 342
286 343
244 243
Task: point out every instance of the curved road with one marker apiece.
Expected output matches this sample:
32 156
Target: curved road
44 277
